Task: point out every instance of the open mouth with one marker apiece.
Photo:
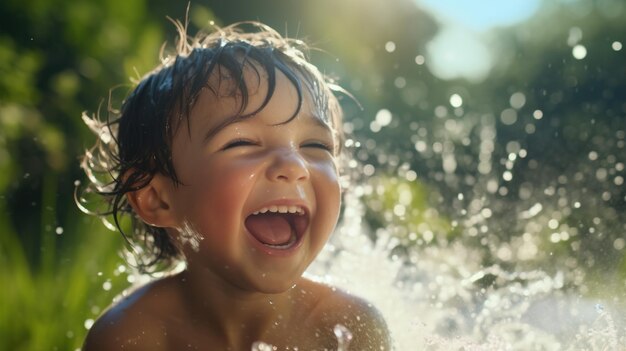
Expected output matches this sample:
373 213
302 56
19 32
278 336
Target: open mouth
278 227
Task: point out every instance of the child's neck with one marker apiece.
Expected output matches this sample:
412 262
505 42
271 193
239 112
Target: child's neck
230 312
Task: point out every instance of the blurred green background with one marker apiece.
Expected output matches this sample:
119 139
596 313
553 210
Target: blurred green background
506 135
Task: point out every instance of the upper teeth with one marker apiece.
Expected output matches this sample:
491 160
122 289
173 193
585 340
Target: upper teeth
281 209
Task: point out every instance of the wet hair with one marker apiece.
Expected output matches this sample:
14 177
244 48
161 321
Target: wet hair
135 142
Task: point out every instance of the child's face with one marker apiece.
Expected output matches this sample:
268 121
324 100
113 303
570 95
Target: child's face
250 166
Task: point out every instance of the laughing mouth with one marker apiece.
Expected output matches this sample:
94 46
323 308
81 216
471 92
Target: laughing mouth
281 209
278 227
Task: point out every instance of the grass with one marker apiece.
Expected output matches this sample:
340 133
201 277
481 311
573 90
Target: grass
45 307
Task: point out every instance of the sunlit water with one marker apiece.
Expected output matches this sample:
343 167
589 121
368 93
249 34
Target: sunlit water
500 231
507 257
343 335
440 298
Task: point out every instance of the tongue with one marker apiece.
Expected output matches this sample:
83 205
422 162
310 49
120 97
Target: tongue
270 228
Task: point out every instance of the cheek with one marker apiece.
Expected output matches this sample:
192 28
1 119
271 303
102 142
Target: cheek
328 173
218 190
329 192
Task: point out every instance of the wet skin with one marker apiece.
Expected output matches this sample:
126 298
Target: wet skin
236 289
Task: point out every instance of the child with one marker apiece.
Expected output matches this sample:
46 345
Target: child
226 158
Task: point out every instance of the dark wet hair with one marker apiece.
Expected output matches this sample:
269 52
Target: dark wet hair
134 143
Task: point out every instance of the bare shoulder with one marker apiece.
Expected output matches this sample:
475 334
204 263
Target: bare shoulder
130 324
361 318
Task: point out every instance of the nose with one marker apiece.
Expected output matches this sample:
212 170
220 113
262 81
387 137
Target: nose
287 165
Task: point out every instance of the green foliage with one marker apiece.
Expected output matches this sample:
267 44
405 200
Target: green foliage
47 307
404 209
45 303
58 267
17 72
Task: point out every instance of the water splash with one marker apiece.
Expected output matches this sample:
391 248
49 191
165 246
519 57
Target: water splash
441 297
344 336
261 346
190 236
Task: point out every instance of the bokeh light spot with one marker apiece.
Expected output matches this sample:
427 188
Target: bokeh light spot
579 52
456 100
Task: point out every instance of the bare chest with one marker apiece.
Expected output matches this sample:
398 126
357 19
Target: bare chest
290 335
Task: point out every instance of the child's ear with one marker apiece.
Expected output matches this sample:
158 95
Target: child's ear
153 202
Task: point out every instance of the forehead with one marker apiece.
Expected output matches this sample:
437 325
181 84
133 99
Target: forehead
230 97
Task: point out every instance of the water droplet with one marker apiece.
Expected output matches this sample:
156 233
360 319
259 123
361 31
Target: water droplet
261 346
486 212
399 82
555 237
599 308
575 36
616 45
456 100
375 127
579 52
441 111
507 176
88 323
508 116
553 224
390 46
411 175
601 174
383 117
517 100
399 210
107 285
344 336
59 230
421 146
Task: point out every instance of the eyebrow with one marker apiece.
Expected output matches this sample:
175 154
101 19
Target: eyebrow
216 129
315 120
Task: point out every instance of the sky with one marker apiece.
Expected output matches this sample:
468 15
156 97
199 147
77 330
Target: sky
460 50
481 14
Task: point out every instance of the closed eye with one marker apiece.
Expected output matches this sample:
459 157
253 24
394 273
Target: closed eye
318 145
238 143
